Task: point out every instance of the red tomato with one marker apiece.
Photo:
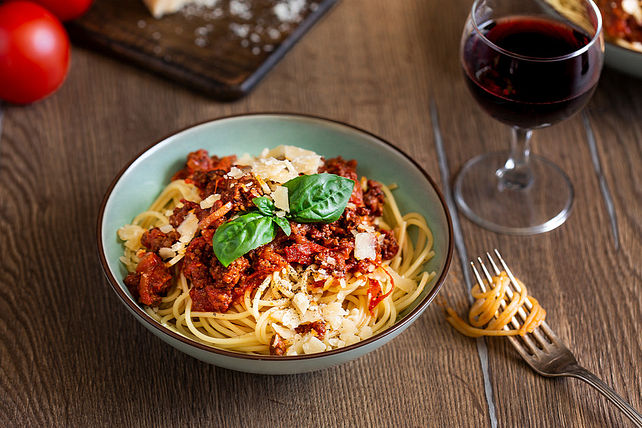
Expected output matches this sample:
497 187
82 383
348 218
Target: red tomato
34 52
66 10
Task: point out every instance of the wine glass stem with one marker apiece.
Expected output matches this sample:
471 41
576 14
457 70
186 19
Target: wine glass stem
516 173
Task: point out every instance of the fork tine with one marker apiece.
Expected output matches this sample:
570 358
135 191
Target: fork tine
478 276
508 272
527 354
513 281
548 331
492 262
541 339
489 278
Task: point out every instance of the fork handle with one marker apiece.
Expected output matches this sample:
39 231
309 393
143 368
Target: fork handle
597 383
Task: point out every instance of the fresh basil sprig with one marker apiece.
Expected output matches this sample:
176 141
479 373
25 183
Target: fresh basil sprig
267 208
317 198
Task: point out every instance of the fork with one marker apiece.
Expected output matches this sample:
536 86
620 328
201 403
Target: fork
543 350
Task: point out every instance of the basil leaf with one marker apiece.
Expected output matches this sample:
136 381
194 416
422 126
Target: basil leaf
318 197
247 232
284 224
265 205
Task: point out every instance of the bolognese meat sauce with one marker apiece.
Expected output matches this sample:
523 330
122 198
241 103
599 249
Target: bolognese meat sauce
215 287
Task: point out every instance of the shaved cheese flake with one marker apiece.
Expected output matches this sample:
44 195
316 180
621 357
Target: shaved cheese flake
235 173
304 161
130 231
131 234
284 332
307 164
273 169
166 228
312 345
280 197
365 245
166 253
348 331
333 313
187 229
209 201
366 332
301 302
288 317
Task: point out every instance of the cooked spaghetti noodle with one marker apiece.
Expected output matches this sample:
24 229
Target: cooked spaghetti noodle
487 318
298 308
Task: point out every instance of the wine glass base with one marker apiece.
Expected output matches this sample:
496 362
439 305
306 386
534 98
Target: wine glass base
542 206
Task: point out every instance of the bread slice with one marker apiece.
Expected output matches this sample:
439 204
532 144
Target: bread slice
158 8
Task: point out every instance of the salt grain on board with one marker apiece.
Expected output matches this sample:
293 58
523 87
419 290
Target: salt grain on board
241 30
241 9
289 10
286 12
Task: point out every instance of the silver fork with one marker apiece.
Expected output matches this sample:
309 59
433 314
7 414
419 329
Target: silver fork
543 350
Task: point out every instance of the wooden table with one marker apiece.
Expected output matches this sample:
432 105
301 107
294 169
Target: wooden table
71 355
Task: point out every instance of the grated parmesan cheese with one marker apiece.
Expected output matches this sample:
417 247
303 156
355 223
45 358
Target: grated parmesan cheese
283 163
187 229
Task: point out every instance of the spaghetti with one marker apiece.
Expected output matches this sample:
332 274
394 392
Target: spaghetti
486 318
323 297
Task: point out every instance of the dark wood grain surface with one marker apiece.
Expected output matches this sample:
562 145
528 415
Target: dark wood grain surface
71 355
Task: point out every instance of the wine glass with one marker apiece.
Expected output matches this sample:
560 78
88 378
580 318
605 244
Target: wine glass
529 64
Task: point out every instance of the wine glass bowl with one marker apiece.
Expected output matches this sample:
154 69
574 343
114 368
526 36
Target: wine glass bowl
528 65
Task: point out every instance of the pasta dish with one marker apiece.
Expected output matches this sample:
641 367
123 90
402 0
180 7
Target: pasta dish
622 19
285 253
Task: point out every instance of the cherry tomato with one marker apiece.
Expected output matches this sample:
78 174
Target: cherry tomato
66 10
34 52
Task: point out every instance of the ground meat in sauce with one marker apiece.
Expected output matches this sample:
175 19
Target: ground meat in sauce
154 239
389 247
231 275
182 211
200 160
317 328
618 24
215 287
277 345
150 281
373 198
197 262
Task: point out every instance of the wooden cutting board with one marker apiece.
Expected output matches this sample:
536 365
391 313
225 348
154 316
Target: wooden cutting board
222 50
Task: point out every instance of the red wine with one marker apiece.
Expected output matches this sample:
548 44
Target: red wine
523 78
